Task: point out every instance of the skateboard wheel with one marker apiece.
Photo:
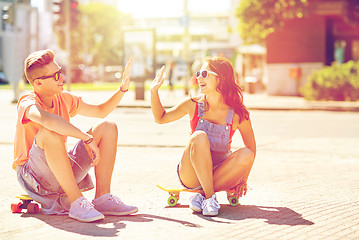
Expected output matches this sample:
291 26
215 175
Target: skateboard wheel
15 208
32 208
172 201
233 201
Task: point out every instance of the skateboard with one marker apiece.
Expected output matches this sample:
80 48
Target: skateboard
175 194
25 203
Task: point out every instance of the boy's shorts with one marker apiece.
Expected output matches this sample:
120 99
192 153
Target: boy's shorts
38 180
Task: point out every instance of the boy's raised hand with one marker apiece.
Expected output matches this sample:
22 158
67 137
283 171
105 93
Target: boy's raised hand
125 83
157 82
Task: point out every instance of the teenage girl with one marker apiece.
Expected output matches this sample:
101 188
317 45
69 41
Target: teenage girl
208 163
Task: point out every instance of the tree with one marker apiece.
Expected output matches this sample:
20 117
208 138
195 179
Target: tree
96 37
258 18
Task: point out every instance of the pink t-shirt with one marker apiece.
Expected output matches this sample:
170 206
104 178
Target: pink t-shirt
65 105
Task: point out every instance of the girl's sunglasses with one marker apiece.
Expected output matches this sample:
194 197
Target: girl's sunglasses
204 74
56 75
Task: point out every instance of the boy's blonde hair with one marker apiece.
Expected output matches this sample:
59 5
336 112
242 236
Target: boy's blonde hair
36 60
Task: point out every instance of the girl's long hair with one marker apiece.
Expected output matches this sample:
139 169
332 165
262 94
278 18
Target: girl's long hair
227 86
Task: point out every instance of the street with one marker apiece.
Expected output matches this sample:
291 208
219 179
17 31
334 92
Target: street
303 183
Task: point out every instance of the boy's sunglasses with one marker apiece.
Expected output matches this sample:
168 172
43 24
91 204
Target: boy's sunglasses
204 74
56 75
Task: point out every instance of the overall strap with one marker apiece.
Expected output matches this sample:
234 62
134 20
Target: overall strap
201 107
230 115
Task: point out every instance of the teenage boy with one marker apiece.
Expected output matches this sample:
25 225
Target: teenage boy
50 174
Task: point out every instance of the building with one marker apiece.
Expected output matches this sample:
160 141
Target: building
208 35
330 33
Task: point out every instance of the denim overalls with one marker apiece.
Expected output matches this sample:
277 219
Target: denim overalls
218 135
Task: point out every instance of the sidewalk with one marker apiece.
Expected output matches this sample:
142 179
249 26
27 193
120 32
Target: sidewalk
258 101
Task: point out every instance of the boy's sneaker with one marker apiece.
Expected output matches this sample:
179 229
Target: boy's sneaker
196 202
210 206
82 210
109 204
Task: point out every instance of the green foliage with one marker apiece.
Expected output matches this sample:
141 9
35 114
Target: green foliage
258 18
96 38
339 82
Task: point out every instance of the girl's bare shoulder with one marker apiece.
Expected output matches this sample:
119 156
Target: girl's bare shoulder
189 105
190 101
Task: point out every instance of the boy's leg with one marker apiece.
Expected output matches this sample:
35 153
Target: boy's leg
105 134
56 156
59 164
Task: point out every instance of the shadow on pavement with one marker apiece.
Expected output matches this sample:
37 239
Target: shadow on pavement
100 228
272 215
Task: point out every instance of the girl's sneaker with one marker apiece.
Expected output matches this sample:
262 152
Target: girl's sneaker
196 202
210 206
83 211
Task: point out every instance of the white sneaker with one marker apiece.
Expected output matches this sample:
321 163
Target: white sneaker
210 206
196 202
84 211
109 204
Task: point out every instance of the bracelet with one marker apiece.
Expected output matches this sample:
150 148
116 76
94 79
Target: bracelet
88 141
122 89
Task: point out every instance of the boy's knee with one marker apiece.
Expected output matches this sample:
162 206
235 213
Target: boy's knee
106 127
109 125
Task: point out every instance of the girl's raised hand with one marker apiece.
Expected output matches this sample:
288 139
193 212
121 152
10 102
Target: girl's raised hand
157 82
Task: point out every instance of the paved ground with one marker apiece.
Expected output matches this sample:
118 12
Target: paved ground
304 185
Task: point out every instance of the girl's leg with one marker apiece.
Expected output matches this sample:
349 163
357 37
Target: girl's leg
233 169
196 165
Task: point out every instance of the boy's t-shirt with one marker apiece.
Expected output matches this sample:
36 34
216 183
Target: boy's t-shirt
65 105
